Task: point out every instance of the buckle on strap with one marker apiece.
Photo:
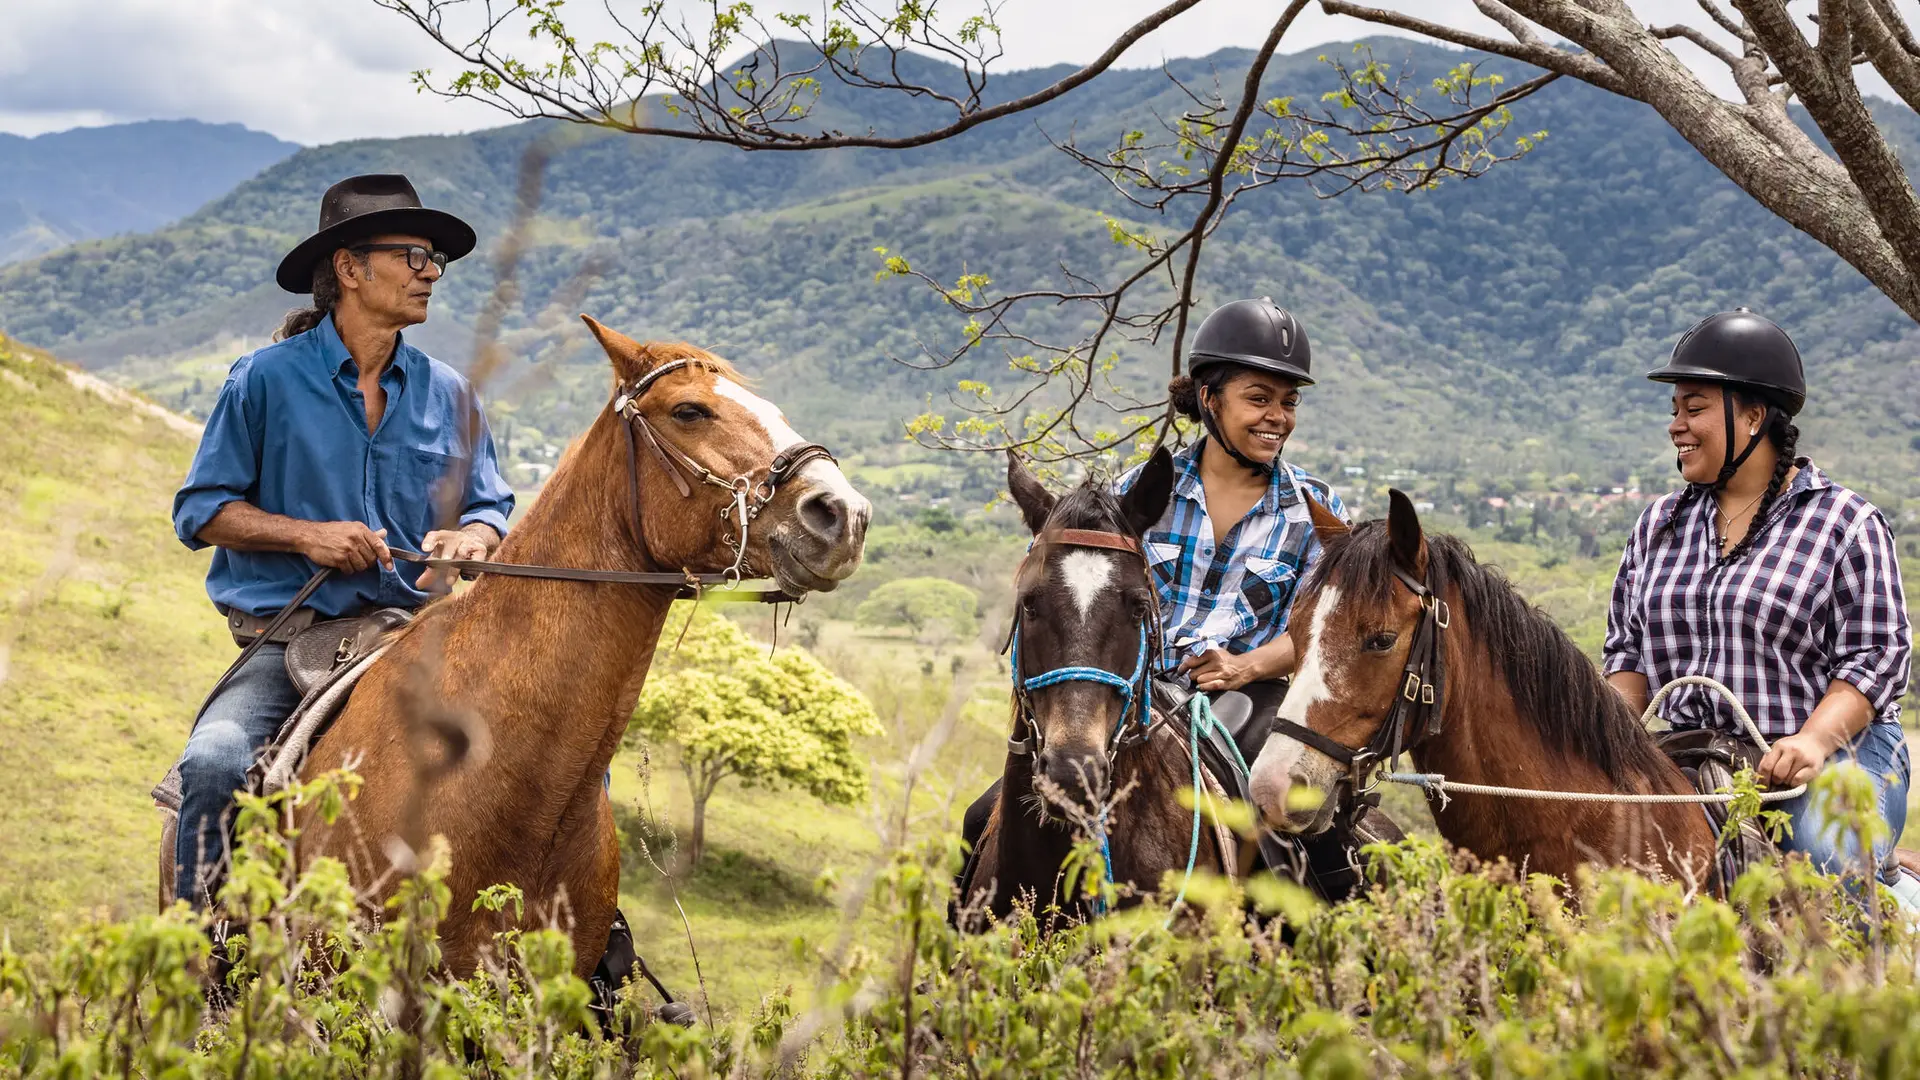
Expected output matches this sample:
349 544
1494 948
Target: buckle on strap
1411 689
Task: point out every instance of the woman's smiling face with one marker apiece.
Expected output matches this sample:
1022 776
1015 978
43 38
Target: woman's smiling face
1255 411
1699 429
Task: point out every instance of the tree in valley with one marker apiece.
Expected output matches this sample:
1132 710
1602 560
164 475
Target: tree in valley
934 609
770 721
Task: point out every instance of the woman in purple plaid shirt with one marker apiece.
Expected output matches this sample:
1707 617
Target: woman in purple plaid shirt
1767 576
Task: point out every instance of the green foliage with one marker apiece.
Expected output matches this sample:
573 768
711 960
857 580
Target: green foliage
922 605
1441 968
735 712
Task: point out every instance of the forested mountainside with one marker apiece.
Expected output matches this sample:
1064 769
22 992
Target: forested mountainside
60 188
1493 331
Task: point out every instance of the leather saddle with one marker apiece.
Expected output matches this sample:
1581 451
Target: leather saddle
1709 758
318 651
319 658
1327 862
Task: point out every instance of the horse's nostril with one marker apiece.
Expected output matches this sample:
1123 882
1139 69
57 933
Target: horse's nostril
824 514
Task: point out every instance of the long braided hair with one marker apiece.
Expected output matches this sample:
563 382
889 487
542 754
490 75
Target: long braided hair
1784 436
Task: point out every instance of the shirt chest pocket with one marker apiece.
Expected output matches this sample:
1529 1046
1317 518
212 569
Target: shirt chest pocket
1168 561
1267 587
423 481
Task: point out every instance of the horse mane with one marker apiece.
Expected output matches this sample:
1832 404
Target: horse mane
1092 506
1555 688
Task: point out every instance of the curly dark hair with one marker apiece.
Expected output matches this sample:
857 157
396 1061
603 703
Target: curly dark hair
1184 391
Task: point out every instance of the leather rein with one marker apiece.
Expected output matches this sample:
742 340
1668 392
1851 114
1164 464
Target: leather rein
1419 705
749 497
1134 690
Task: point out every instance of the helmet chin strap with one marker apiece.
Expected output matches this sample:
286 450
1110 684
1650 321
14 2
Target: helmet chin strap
1733 463
1262 468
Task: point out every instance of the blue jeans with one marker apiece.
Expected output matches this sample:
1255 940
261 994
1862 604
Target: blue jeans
1882 751
237 723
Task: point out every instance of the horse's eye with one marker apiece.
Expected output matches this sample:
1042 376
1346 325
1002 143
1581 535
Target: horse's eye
1382 641
1138 607
688 412
1028 609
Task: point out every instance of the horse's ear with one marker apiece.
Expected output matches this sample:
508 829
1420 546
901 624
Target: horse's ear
630 358
1326 523
1032 497
1146 501
1403 533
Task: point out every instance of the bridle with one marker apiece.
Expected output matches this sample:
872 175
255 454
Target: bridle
749 497
1419 705
1133 689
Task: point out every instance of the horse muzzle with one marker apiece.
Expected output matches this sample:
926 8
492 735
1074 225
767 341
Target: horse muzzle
1295 789
822 541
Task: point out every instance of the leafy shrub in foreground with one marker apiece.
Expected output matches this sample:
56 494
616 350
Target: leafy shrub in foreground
1441 969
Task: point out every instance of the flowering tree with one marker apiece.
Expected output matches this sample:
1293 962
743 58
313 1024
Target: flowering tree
736 712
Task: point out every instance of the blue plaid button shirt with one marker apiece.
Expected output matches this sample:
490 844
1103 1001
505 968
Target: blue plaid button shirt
1816 599
1234 595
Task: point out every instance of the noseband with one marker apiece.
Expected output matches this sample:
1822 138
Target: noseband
1133 690
1420 703
748 497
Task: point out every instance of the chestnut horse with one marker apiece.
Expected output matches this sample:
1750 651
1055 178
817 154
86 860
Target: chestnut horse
550 670
1519 706
1084 604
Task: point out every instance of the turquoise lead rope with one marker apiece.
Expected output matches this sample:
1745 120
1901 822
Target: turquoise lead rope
1200 721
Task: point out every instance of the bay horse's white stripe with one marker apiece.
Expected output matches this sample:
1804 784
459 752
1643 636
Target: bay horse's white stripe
1085 574
1310 680
1278 755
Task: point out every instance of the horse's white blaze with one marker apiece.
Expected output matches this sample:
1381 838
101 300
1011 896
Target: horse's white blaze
781 434
1085 574
1310 680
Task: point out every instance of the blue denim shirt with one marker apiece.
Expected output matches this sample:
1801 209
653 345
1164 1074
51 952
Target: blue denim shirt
289 435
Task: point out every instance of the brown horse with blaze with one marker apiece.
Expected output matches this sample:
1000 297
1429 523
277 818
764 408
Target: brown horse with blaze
1521 706
550 670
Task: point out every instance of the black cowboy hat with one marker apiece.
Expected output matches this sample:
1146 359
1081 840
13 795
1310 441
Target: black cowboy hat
363 206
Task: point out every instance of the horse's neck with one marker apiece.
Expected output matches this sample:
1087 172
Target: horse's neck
574 654
1484 740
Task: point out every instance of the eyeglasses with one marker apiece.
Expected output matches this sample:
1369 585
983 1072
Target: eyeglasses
417 256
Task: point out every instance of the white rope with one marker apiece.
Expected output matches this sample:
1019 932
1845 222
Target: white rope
1437 782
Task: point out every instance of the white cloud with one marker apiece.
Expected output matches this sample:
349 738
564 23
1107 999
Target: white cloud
323 70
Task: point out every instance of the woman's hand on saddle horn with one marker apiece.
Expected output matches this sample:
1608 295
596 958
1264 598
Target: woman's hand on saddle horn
1218 669
448 544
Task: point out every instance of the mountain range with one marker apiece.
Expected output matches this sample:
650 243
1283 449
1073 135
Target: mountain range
1494 330
65 187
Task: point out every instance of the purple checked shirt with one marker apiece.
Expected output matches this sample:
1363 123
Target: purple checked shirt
1817 598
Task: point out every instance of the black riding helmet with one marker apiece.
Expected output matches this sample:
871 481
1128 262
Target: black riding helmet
1257 334
1741 351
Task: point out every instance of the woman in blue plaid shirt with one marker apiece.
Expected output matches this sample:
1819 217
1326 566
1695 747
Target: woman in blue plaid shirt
1237 537
1767 576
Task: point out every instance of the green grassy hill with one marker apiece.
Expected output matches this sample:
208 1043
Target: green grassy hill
106 643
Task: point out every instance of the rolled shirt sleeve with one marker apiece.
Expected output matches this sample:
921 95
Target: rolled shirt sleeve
226 467
1873 641
488 498
1620 650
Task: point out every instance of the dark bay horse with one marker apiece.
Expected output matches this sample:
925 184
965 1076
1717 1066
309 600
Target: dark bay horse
1085 605
550 670
1519 706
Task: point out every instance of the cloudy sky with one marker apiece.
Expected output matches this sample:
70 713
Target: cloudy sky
317 71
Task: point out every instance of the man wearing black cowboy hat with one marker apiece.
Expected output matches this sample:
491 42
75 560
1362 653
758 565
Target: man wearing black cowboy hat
324 448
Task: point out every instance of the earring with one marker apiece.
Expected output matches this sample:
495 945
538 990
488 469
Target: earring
1755 431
